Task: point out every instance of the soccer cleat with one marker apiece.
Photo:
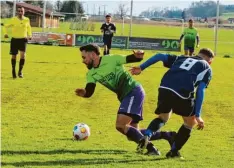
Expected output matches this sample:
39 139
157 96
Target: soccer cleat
151 150
14 74
142 144
170 137
174 155
20 74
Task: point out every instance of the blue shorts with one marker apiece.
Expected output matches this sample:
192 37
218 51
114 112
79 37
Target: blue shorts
132 104
191 49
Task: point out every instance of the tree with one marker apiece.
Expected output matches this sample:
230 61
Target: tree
6 10
122 10
72 7
183 15
36 3
204 9
58 5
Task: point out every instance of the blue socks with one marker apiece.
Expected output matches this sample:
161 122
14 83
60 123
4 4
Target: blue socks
154 126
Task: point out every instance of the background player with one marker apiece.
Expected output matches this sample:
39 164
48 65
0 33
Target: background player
21 32
190 35
176 93
108 29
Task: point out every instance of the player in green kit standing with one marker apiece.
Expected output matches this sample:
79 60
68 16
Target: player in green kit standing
190 36
109 72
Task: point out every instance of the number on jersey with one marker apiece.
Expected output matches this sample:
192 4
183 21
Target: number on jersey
188 64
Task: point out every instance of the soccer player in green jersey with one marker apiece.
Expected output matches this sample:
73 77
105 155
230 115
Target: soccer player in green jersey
21 32
109 71
190 35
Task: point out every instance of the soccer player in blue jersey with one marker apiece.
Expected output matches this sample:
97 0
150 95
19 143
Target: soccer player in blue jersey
185 76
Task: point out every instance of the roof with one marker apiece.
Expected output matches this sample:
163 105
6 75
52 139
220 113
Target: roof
35 9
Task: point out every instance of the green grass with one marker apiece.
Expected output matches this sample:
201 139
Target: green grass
227 15
39 112
225 36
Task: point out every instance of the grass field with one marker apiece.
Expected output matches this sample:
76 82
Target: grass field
225 36
39 112
227 15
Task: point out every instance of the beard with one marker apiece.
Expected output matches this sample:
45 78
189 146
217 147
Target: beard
90 65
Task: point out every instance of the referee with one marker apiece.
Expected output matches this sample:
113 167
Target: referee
21 32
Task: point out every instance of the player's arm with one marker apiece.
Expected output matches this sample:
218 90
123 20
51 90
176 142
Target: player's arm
137 56
198 39
167 60
89 88
181 37
87 92
200 93
102 28
29 30
8 25
113 29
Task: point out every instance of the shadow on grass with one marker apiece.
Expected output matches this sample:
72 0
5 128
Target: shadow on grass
47 62
63 151
77 162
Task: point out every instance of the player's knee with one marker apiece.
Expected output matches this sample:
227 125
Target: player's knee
120 128
22 56
190 122
13 57
164 118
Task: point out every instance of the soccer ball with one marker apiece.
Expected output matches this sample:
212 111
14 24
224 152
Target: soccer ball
81 131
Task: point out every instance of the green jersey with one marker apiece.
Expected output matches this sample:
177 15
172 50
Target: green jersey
112 75
190 35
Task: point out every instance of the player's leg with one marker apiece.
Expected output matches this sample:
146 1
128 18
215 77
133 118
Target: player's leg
185 108
105 50
169 136
13 52
163 114
105 45
109 46
124 126
135 124
22 44
186 50
191 51
132 106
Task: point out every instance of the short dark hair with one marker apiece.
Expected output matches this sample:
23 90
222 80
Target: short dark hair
108 16
191 20
20 7
207 51
91 47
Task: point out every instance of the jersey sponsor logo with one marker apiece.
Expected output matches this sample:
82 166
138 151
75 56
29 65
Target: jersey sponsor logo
108 77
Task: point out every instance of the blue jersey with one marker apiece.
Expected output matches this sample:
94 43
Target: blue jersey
185 74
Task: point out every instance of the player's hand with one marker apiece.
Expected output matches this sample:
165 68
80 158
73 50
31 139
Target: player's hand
135 70
200 123
80 92
6 36
138 53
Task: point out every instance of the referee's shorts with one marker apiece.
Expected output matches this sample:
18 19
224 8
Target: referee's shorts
18 44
